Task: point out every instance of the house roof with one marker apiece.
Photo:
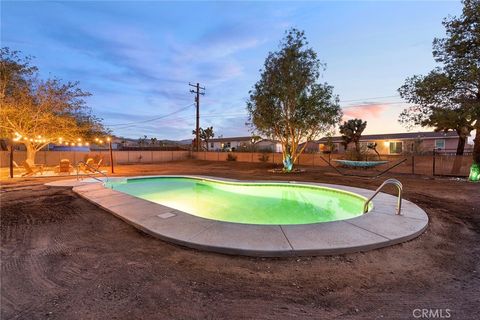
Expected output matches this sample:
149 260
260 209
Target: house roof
400 136
249 138
268 140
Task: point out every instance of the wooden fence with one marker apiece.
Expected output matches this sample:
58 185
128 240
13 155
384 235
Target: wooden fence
52 158
418 164
415 164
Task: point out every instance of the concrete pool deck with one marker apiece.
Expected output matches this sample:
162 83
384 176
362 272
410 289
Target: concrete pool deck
378 228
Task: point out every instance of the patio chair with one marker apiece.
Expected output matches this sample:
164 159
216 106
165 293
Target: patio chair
64 167
31 168
98 164
90 165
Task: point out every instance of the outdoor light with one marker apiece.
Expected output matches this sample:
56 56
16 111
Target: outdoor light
386 143
108 139
96 139
87 144
474 173
18 136
79 139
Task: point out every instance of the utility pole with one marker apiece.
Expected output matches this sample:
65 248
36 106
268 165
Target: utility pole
197 101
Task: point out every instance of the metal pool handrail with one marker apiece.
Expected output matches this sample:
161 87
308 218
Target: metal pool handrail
91 175
396 183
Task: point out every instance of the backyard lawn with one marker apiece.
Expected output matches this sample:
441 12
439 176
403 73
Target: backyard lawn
64 258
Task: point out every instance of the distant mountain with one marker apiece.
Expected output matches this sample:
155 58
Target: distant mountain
184 141
161 141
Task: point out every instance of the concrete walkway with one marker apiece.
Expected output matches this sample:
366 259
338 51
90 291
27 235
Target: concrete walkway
378 228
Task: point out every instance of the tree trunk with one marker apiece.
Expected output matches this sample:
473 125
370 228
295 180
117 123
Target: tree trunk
457 163
357 146
461 144
31 152
287 162
287 158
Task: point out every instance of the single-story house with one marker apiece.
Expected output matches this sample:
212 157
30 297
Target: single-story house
398 143
230 144
268 145
312 146
244 144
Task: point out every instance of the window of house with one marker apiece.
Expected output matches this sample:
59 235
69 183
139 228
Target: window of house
440 144
227 145
396 147
211 145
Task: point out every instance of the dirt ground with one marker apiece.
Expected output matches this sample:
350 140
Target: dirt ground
64 258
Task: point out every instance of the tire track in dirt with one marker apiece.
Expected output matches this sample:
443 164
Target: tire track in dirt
96 266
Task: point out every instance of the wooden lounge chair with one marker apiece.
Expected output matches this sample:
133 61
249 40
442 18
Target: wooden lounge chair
95 166
31 168
90 165
64 167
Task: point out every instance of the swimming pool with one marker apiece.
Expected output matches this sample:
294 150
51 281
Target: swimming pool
249 203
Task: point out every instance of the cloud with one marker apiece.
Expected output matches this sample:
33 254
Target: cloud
138 60
364 111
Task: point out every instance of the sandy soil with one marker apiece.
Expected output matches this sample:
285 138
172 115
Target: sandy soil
64 258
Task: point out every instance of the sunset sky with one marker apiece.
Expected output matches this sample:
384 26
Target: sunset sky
137 58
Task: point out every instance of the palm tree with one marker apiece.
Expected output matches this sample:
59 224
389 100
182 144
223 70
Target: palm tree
153 141
142 141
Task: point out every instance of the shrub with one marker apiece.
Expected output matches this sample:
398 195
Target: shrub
231 157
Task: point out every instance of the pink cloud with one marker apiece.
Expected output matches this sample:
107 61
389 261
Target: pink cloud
364 111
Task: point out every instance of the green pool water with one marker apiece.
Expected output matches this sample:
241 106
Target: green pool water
251 203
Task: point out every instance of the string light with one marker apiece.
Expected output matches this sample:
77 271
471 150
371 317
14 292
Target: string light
60 140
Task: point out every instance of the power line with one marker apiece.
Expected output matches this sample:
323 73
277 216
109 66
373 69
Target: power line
376 103
242 115
152 119
239 115
372 98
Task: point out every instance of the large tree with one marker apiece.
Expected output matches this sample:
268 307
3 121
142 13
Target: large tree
288 103
38 112
454 85
436 107
351 131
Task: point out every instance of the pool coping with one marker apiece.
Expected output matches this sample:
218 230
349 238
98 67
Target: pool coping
378 228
